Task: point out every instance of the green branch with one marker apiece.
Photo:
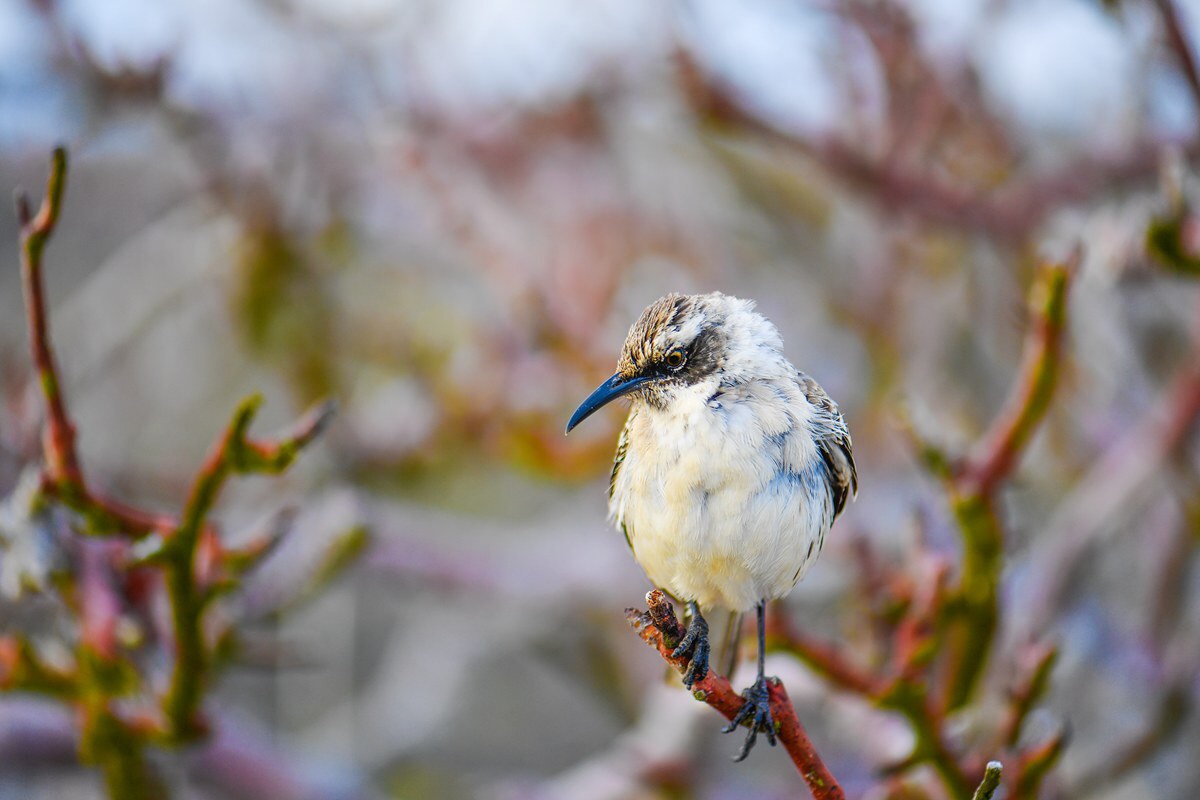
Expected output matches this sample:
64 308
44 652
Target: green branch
234 453
973 485
990 782
104 686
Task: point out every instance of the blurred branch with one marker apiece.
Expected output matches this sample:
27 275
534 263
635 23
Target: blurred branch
21 669
240 761
899 691
1171 240
64 476
990 782
1033 765
119 715
62 462
1173 707
1179 44
994 457
973 482
234 453
1029 692
1109 487
1008 213
659 628
941 639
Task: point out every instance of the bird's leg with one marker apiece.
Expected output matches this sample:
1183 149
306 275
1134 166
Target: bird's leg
694 645
756 711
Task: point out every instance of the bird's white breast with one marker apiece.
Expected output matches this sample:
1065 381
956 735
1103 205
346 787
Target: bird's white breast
724 495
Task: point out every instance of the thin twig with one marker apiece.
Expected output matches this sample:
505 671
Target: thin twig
62 461
1028 692
63 473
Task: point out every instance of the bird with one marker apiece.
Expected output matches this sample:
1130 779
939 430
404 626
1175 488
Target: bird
729 472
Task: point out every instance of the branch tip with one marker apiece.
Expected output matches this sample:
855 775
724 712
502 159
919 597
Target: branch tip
315 421
21 202
990 782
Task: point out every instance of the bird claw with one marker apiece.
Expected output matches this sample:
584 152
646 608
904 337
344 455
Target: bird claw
755 713
694 645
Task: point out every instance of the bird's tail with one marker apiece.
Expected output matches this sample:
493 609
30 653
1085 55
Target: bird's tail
725 638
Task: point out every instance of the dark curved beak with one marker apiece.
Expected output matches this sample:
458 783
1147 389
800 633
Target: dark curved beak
611 389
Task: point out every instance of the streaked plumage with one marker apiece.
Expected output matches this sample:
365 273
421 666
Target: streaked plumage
726 481
730 470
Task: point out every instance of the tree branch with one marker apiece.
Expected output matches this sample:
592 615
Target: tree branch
118 712
63 473
234 453
62 463
659 626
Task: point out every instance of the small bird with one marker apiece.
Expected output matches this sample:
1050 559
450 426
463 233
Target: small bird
730 470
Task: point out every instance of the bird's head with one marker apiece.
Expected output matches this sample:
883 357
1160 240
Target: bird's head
681 341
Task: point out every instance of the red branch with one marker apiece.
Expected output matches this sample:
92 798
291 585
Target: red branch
63 474
63 464
716 691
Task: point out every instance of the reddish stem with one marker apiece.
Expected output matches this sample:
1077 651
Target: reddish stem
716 691
62 461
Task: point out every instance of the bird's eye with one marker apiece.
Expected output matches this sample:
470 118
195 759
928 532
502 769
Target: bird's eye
675 359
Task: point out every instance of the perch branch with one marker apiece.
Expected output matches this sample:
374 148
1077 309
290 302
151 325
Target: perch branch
659 626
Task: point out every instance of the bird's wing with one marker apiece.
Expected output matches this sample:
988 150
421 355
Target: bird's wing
833 442
618 460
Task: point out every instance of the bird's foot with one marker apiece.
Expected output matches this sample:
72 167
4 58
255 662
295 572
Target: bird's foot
694 645
755 713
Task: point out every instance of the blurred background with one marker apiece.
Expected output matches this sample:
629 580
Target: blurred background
446 214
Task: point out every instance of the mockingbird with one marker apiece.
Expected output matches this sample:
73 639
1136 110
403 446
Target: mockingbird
730 470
